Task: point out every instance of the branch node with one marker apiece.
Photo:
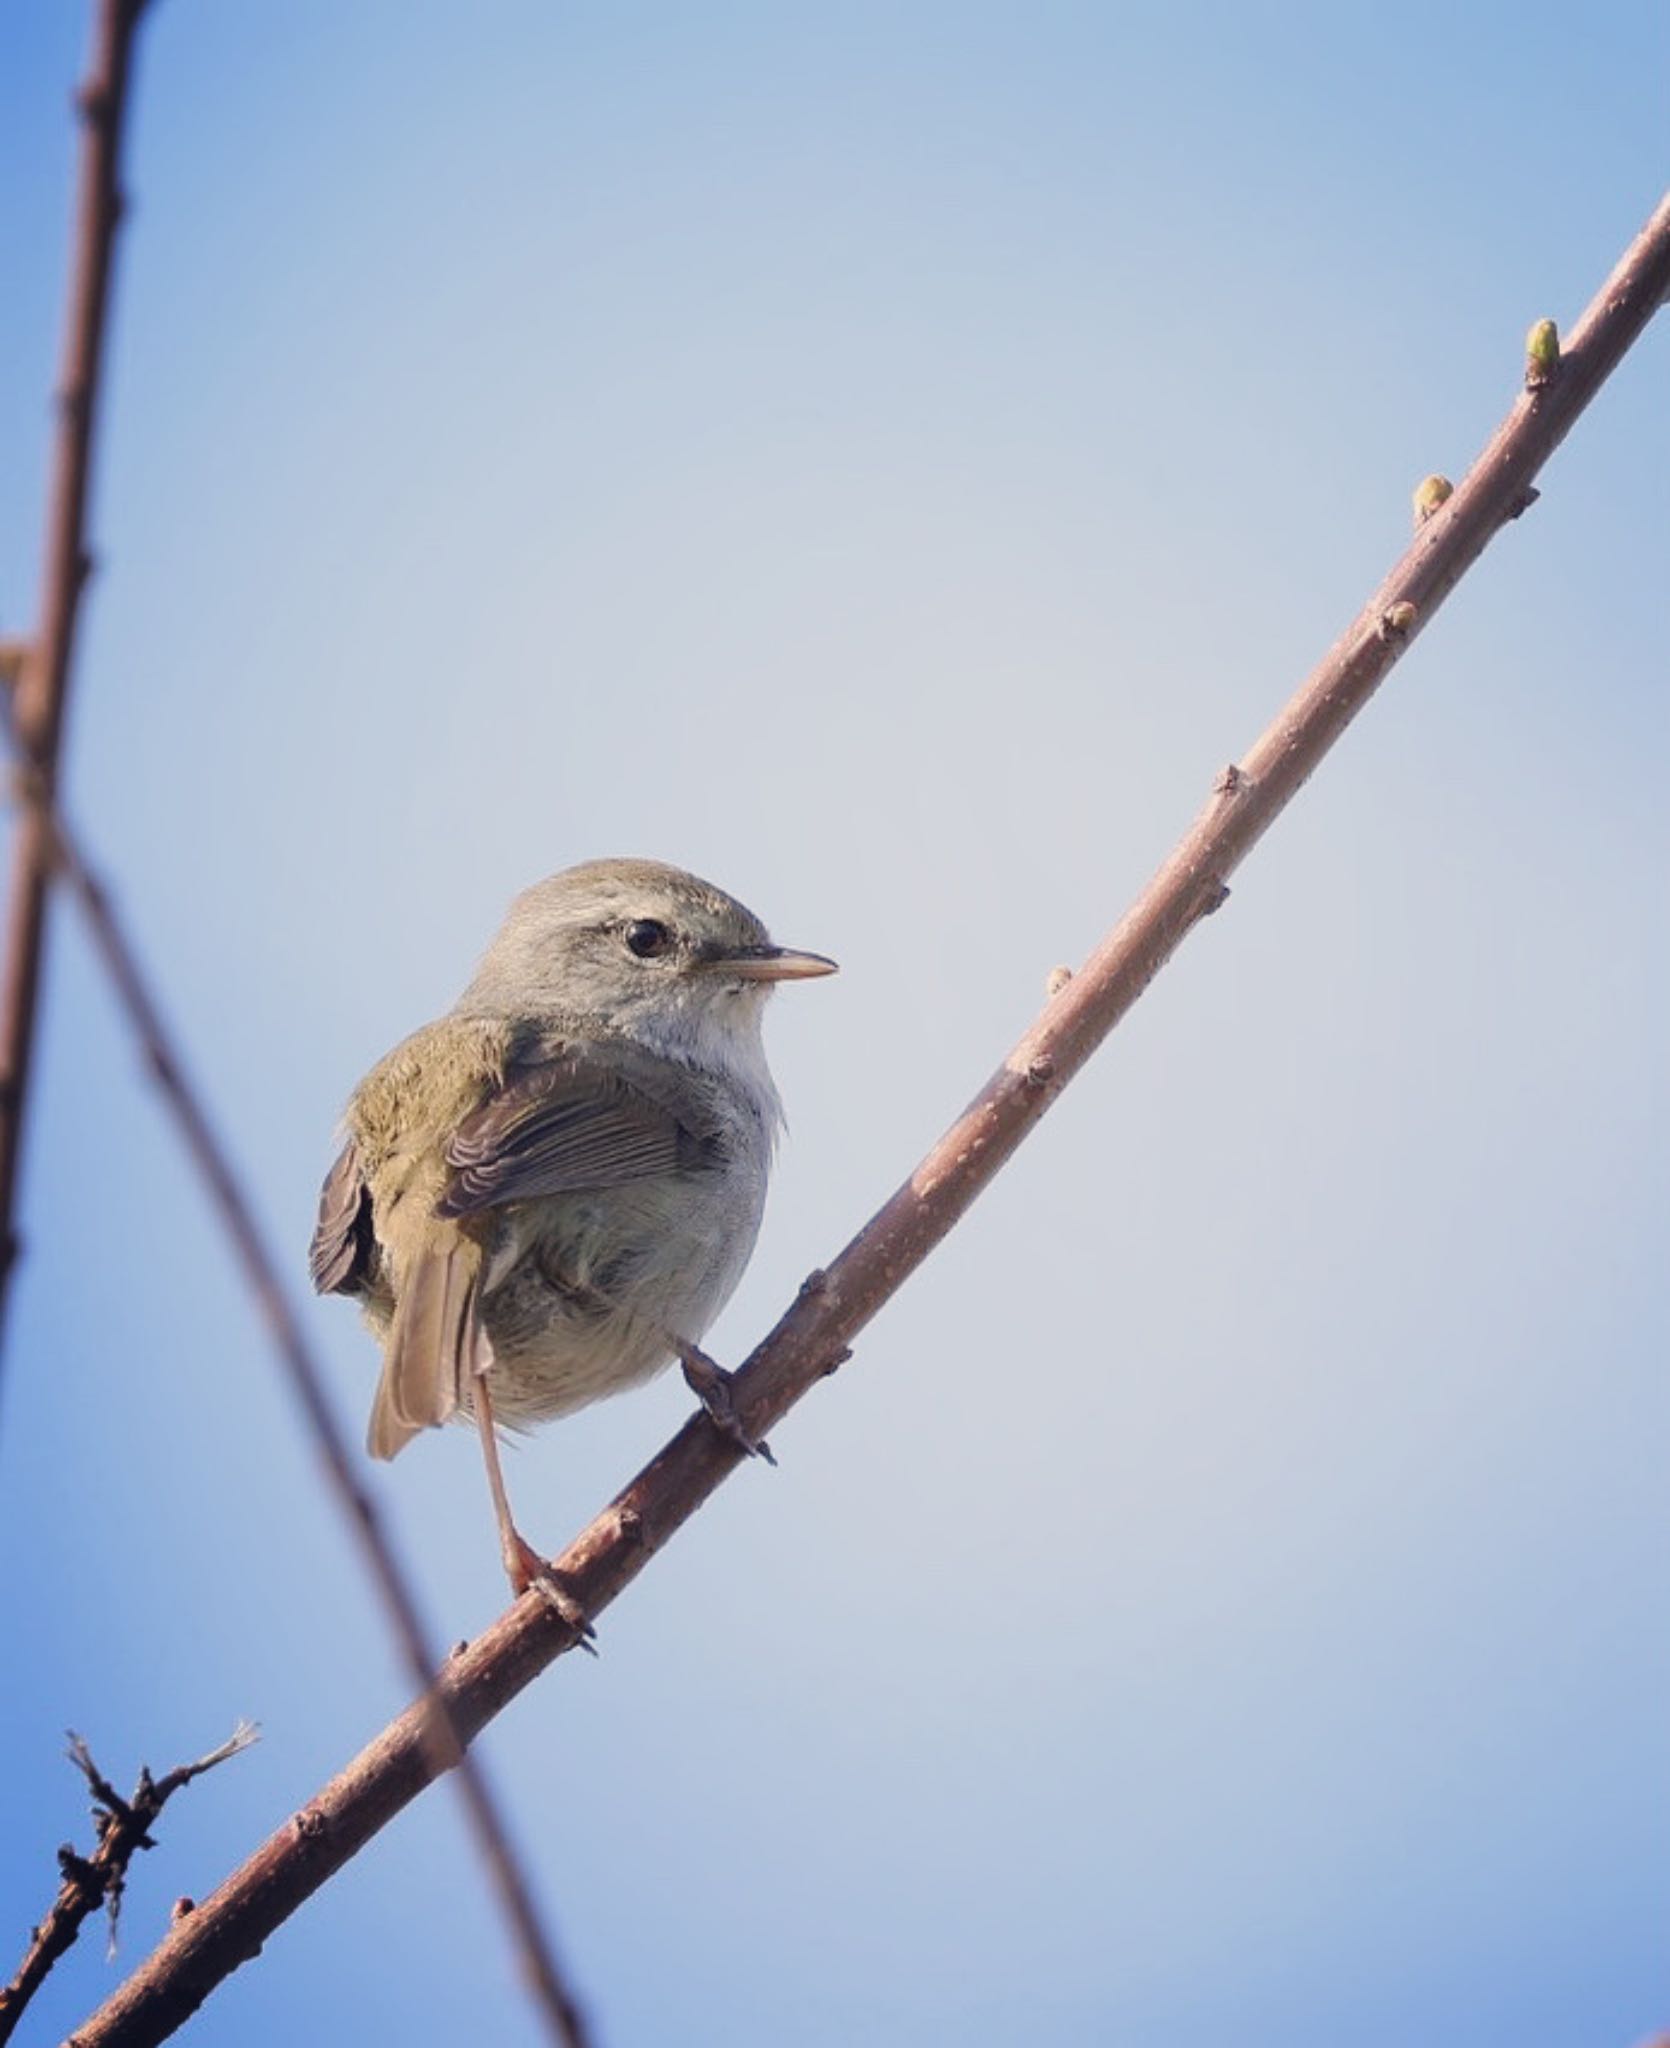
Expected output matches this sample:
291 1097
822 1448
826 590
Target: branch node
81 1872
1397 621
14 658
180 1910
1523 503
836 1360
1055 981
310 1824
25 785
1040 1070
1231 780
1214 897
94 103
630 1523
815 1283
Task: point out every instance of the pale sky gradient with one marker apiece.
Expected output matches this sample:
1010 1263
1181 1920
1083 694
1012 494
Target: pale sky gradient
888 459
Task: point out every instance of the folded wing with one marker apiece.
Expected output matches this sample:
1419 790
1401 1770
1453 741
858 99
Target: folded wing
574 1123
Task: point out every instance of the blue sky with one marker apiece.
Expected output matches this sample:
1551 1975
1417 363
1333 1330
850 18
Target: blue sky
888 460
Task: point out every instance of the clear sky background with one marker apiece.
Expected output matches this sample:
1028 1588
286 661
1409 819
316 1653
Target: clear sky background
887 459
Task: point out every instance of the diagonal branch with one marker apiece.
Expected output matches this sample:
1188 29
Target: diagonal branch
123 1828
102 104
833 1306
443 1744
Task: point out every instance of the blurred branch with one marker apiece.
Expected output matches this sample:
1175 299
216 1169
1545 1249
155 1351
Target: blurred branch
34 680
43 685
443 1746
123 1827
833 1306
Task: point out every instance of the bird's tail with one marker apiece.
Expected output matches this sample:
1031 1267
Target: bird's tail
435 1344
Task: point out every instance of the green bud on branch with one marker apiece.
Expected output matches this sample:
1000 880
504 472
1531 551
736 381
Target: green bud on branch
1542 354
1430 493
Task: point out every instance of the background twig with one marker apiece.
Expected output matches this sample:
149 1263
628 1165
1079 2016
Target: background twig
123 1827
44 683
834 1305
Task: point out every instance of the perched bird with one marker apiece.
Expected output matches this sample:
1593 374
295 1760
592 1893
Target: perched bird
547 1195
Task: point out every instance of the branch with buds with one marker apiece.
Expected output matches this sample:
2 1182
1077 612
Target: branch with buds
834 1305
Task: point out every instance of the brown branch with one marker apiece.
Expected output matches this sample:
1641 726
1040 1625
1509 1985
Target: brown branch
44 685
444 1745
87 1882
834 1306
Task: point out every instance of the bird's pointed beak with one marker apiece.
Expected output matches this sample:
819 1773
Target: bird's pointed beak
775 963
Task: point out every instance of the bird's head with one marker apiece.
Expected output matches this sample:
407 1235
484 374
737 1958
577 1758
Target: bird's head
641 949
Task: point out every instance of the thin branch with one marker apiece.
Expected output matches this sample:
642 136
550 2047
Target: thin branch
102 104
444 1747
87 1882
833 1306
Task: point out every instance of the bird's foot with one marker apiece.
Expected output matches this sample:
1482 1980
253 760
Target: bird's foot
525 1568
712 1386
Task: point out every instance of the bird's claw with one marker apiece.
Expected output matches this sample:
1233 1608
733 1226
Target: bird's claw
526 1568
712 1386
568 1609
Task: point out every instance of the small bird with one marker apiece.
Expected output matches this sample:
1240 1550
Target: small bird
548 1194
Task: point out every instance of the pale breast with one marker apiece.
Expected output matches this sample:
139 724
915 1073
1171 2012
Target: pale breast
585 1291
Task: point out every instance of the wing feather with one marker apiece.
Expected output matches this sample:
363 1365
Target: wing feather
570 1124
340 1256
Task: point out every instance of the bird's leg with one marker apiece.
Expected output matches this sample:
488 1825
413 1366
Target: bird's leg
523 1564
711 1384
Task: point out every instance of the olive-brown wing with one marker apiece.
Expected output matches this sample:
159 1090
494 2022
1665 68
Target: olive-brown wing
575 1122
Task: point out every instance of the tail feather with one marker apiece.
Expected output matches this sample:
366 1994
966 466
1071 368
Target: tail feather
435 1343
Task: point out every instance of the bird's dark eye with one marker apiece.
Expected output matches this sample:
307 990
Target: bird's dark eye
646 937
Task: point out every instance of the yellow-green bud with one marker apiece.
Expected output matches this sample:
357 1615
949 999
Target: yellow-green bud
1430 493
1542 354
